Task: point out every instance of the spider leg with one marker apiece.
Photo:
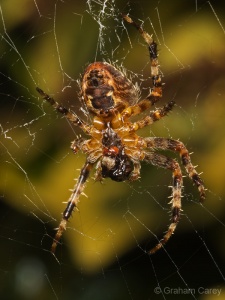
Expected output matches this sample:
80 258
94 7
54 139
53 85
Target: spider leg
156 91
72 203
71 116
154 116
149 119
168 163
174 145
76 144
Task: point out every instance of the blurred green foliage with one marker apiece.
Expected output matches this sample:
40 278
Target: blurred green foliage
49 44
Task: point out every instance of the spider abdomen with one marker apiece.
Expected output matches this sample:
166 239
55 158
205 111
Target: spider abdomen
106 89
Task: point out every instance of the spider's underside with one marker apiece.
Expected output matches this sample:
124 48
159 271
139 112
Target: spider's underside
113 146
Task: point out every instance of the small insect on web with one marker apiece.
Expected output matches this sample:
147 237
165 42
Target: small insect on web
114 146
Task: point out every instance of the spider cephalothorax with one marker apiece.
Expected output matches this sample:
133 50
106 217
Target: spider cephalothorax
113 144
114 162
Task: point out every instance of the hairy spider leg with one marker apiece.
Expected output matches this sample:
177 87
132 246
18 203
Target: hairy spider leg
168 163
79 186
154 116
72 203
71 116
177 146
161 143
156 91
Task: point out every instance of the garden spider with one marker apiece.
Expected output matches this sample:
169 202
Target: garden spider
114 146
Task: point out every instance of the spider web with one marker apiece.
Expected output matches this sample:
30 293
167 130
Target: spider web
104 251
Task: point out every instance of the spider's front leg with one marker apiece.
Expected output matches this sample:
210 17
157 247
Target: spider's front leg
76 144
174 145
168 163
72 203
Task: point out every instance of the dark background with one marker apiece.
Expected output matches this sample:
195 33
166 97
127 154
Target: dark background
103 254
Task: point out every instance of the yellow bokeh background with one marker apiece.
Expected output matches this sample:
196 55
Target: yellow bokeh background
38 168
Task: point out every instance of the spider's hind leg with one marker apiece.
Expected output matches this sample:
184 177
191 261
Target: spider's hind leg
71 116
156 91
